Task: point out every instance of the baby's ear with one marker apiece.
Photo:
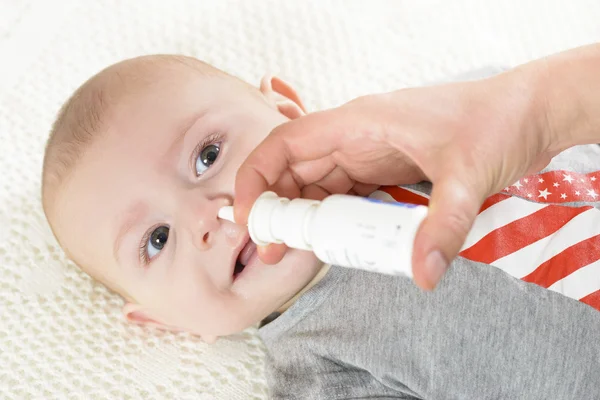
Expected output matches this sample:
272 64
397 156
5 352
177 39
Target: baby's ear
283 96
136 314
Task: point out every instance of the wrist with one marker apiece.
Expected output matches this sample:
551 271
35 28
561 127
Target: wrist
551 109
521 96
567 100
543 122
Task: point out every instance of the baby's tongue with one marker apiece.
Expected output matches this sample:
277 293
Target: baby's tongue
247 252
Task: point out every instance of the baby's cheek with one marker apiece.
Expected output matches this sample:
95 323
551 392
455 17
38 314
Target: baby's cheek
194 305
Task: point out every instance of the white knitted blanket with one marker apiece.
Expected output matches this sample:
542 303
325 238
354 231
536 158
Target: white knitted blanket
61 334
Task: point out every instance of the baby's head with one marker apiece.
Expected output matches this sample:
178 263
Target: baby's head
139 162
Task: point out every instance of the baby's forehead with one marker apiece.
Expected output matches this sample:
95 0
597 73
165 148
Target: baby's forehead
143 70
164 91
143 118
136 81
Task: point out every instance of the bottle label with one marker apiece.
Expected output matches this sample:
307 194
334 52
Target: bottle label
373 235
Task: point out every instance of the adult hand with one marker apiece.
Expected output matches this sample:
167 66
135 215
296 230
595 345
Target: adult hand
469 139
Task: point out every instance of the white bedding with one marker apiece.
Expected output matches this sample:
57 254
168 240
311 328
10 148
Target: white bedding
61 335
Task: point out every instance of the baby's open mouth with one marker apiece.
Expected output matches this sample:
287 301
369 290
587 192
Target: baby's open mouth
244 258
239 267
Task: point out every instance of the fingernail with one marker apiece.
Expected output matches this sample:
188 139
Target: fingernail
435 267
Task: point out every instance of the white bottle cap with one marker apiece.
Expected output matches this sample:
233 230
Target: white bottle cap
275 219
291 223
259 220
226 213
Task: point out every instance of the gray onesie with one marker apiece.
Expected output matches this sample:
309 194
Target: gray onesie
482 334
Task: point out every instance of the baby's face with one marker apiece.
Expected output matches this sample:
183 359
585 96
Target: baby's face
141 208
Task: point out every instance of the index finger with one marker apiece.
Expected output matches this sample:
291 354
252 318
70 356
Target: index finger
306 138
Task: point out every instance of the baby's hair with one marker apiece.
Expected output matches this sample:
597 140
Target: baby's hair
82 118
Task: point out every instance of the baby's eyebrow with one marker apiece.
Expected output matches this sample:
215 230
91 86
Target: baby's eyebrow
131 218
181 130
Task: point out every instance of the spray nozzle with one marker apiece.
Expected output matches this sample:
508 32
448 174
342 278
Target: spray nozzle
226 213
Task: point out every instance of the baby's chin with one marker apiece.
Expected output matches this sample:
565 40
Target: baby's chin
258 291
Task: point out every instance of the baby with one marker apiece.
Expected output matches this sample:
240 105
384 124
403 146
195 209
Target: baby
139 162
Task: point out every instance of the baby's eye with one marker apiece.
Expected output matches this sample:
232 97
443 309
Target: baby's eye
207 157
158 240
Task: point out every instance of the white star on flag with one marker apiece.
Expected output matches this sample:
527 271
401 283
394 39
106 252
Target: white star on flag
541 180
568 178
529 195
563 196
526 180
577 193
544 193
592 193
556 184
518 185
593 178
581 180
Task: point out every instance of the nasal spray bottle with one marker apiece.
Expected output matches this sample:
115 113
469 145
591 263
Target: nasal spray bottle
343 230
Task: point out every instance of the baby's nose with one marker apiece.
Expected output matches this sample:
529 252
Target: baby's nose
203 236
204 221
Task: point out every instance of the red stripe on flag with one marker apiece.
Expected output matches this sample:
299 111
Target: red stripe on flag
565 263
497 198
523 232
592 299
405 196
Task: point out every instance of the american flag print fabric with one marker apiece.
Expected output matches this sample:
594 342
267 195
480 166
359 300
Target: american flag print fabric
558 187
528 231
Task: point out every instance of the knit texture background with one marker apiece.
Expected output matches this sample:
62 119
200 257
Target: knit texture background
61 334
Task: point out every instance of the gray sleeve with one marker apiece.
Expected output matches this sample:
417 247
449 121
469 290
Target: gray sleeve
481 335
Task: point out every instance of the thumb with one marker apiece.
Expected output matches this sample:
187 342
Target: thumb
452 211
